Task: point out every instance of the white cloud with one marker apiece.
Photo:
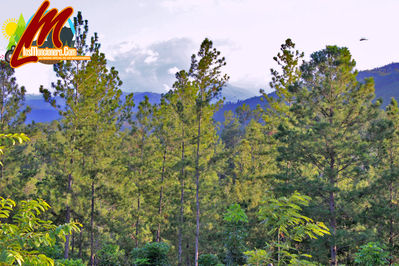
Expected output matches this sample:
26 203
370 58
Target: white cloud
166 87
152 68
173 70
152 57
33 75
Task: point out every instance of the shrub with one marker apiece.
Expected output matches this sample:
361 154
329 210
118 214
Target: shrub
151 254
24 234
208 260
372 254
110 255
69 262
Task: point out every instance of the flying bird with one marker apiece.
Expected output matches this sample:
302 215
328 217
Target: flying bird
363 39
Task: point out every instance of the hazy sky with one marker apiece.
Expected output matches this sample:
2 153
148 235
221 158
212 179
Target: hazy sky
149 40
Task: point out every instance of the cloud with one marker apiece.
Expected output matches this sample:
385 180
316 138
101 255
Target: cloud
173 70
150 68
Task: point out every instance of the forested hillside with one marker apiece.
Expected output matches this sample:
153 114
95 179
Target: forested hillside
310 180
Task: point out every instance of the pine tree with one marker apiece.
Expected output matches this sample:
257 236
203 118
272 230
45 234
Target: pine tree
166 130
88 97
208 79
382 187
12 100
12 117
324 137
182 100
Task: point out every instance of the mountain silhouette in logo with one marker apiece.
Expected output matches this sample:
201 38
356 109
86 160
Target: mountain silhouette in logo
66 37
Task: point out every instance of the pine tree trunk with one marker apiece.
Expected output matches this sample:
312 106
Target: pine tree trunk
390 223
92 226
333 178
138 221
188 261
180 257
197 191
138 199
333 224
391 207
160 197
80 244
68 214
73 243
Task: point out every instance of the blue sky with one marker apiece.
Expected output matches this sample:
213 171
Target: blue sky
149 40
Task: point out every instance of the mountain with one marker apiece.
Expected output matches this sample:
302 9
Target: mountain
234 94
386 80
44 112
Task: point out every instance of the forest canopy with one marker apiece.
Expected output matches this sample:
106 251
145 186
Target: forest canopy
307 178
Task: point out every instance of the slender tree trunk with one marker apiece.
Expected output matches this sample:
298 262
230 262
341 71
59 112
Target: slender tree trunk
138 199
188 262
197 190
80 244
160 197
333 224
138 220
333 178
92 226
68 213
390 222
278 248
180 258
73 243
333 221
69 190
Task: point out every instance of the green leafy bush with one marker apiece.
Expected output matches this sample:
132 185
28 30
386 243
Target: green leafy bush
151 254
258 257
110 255
69 262
372 254
22 239
208 260
235 221
287 226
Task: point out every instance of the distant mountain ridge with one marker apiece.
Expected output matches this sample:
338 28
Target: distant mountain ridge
386 80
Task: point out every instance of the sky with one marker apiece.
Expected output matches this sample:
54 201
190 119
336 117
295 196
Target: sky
149 40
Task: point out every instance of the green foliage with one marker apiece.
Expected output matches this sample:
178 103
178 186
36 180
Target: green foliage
12 99
266 257
11 139
161 172
284 219
321 143
83 163
235 219
208 260
258 257
372 253
110 255
151 254
235 214
21 238
69 262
